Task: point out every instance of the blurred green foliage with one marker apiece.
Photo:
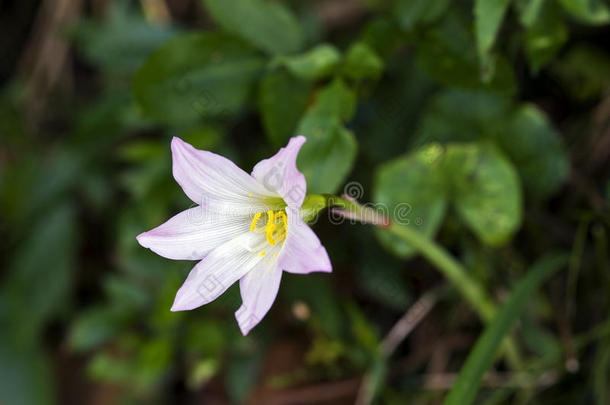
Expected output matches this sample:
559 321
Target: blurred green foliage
482 125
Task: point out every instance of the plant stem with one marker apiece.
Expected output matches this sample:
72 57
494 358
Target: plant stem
455 272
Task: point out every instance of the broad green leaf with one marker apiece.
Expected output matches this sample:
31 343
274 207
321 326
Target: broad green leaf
122 41
535 149
523 133
544 36
411 190
269 25
196 76
595 12
479 360
410 13
361 62
485 191
328 155
317 63
447 53
282 99
488 16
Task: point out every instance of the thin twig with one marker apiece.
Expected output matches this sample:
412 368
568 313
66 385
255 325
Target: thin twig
414 315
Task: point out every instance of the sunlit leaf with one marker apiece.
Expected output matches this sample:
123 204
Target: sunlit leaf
485 190
411 190
317 63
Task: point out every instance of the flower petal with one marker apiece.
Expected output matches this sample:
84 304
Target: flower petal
221 268
302 251
215 182
258 291
192 234
279 173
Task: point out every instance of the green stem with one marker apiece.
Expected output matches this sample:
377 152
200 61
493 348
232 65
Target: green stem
455 272
451 268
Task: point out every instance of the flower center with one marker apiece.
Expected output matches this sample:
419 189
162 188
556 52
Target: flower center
275 227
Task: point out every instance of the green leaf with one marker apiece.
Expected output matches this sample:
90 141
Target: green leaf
585 71
479 360
328 155
447 53
594 12
486 191
94 327
121 42
282 99
26 375
411 190
544 35
536 150
488 16
268 25
523 133
410 13
196 76
317 63
42 269
361 62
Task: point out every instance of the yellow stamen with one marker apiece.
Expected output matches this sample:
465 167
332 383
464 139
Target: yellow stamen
270 227
255 221
275 228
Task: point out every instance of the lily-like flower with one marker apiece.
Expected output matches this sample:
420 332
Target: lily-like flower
245 227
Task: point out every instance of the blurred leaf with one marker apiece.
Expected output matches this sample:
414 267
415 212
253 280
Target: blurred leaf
328 155
585 71
42 269
448 54
529 10
544 35
282 101
411 190
121 42
380 276
483 354
486 191
196 76
410 13
383 36
594 12
94 327
488 16
362 329
26 375
361 62
268 25
522 132
536 150
242 372
317 63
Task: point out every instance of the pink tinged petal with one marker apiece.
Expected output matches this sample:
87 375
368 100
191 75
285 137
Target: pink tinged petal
192 234
221 268
258 291
215 182
302 252
280 174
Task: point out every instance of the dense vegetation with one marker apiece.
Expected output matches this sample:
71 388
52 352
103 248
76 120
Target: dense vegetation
481 127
